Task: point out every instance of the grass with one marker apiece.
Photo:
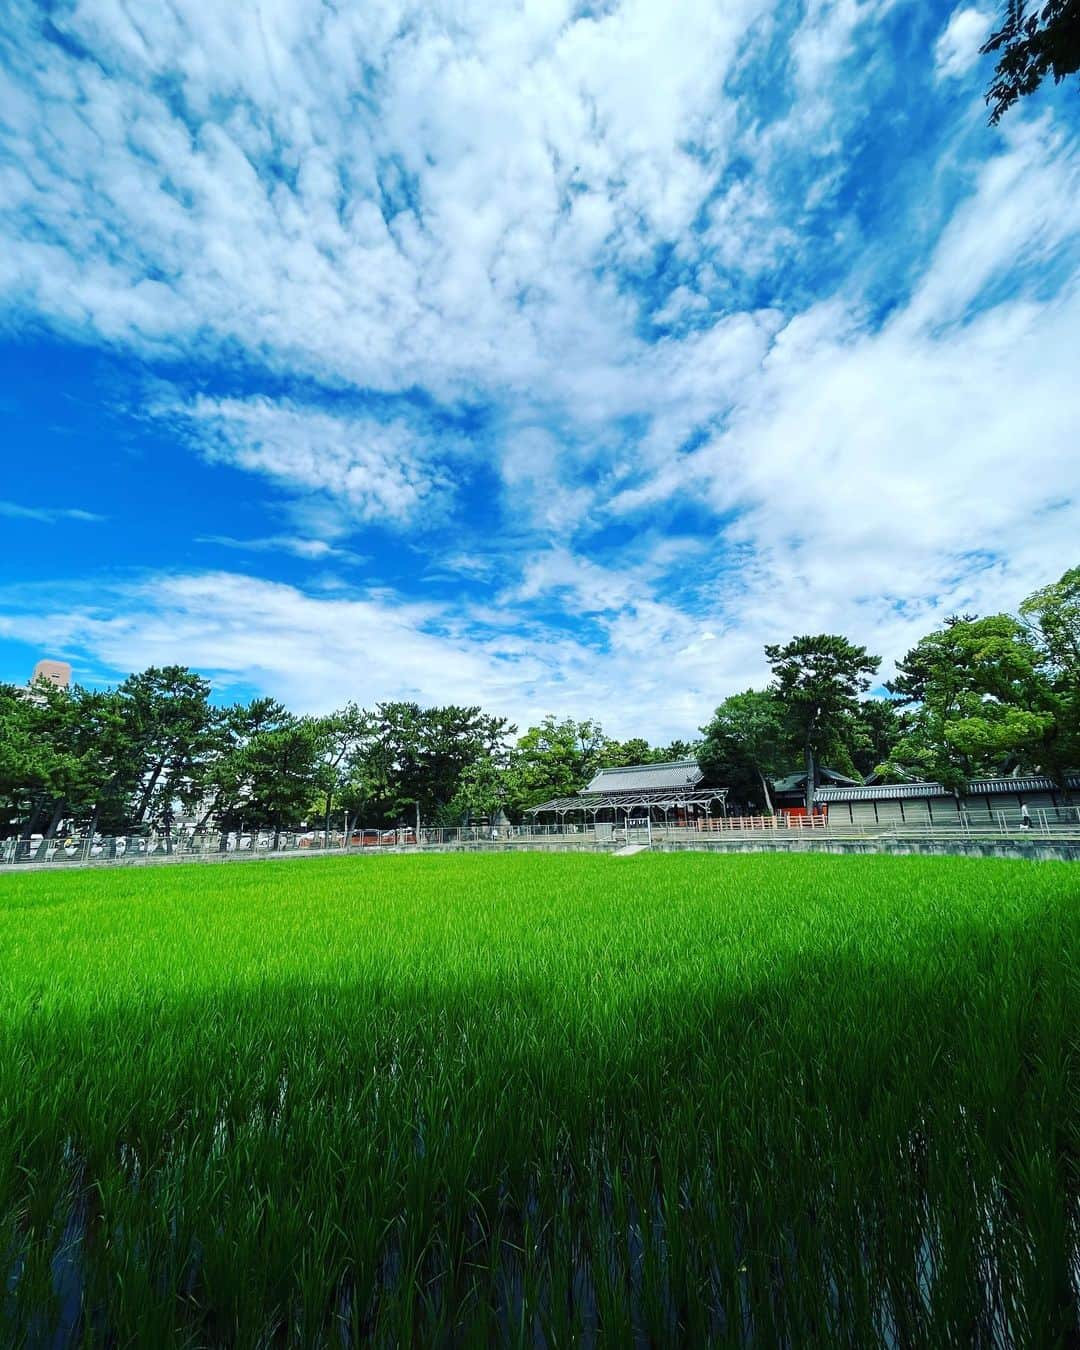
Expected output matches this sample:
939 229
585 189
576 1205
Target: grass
542 1101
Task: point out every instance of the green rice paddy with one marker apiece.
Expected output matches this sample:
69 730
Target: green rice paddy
541 1101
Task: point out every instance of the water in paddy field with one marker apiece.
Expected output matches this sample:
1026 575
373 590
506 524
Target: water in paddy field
591 1267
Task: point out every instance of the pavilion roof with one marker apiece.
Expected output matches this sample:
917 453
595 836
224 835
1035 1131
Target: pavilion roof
673 773
666 799
674 783
795 781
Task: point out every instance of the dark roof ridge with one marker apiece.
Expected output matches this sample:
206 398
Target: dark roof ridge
650 764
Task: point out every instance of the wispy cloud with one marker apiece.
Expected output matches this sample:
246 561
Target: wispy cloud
313 550
379 470
646 668
47 515
957 49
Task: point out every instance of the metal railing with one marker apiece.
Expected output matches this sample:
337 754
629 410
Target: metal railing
80 849
1061 822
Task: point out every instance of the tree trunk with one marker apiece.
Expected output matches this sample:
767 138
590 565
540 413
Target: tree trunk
765 789
205 820
37 811
57 816
32 819
326 825
50 830
88 843
277 832
148 792
809 779
1059 775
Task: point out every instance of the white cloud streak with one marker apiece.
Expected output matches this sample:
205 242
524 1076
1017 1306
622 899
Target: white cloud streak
658 672
311 550
48 515
382 471
957 49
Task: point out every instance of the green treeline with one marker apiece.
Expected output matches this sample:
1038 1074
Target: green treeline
976 696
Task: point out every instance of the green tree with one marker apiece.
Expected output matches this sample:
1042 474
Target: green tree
877 728
484 787
1031 44
1051 617
637 750
746 743
451 739
554 759
818 680
64 753
172 727
342 738
16 757
680 749
105 768
37 758
223 791
281 768
366 791
414 758
980 701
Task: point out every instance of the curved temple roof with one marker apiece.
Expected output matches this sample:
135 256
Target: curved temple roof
674 773
674 783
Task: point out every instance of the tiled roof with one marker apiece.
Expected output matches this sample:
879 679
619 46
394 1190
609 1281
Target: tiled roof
978 787
676 773
880 792
794 781
1021 783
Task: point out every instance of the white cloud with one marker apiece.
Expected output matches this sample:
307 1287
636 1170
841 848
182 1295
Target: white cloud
47 515
311 549
878 479
957 49
316 652
376 470
658 671
1021 219
199 185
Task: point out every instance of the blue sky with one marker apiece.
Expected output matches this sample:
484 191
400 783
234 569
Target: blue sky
553 357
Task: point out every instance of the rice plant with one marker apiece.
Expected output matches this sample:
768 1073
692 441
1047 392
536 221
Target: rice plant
542 1101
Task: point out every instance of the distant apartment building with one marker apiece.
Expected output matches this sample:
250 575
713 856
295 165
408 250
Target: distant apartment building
56 672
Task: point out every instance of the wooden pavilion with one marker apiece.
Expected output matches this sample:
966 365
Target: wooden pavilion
673 792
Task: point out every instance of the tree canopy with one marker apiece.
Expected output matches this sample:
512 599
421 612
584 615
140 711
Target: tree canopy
1031 44
978 696
817 681
747 743
979 699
